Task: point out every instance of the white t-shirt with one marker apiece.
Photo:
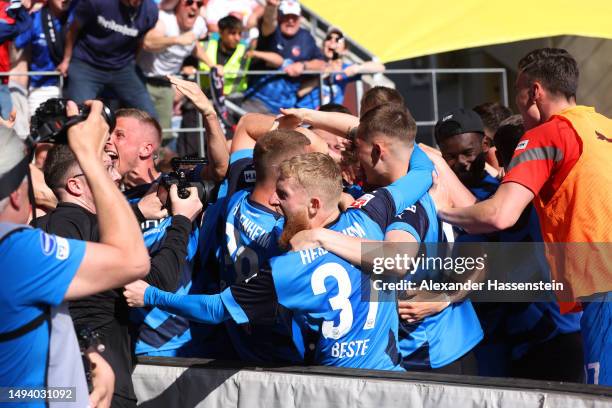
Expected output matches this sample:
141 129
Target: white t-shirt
169 61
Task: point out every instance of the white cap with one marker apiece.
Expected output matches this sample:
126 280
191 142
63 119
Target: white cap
290 7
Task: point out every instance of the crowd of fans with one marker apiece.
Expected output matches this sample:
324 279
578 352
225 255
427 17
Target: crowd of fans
267 267
124 50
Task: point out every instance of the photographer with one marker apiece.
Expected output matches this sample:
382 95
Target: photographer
132 146
41 271
106 312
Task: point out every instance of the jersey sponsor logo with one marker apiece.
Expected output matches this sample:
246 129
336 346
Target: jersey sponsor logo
63 249
118 28
47 243
361 201
250 176
296 51
522 145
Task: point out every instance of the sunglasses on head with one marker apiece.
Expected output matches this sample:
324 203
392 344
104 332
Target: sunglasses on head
198 3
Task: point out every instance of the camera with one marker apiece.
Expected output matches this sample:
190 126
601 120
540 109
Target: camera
184 178
50 123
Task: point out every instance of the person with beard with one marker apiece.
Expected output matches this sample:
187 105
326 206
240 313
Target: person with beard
252 229
322 288
424 340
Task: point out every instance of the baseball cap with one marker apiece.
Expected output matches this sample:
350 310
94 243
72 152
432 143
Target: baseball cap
290 7
458 121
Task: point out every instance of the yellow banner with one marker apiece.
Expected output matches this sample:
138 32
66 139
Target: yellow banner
395 30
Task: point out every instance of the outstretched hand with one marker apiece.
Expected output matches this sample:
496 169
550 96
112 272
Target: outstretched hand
194 93
134 293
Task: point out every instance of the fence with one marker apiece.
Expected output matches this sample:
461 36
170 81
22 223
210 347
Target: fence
432 73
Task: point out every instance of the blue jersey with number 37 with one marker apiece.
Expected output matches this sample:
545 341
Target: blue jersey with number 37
330 298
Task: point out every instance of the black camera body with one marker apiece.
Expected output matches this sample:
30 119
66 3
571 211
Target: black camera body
50 123
184 178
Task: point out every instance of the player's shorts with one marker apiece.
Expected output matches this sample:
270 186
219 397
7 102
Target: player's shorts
596 327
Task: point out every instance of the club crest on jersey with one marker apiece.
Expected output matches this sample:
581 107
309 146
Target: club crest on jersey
522 145
361 201
63 249
296 51
47 243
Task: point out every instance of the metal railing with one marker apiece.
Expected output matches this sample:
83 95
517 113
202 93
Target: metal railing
434 74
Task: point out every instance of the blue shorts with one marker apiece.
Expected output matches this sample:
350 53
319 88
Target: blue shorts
596 327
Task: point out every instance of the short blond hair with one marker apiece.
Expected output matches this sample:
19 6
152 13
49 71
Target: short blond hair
317 173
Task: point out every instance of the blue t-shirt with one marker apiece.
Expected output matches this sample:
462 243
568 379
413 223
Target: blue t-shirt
111 31
37 269
40 58
333 91
279 91
442 338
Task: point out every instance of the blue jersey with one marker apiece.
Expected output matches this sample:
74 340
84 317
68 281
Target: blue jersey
160 333
251 235
325 294
442 338
240 175
37 269
372 213
40 56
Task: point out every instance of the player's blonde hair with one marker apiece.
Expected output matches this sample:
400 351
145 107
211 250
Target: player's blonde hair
317 173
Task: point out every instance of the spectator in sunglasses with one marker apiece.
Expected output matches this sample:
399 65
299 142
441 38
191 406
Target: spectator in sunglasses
340 74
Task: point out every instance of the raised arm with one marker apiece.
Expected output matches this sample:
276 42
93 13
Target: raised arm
336 122
155 39
270 17
121 255
250 128
407 190
216 146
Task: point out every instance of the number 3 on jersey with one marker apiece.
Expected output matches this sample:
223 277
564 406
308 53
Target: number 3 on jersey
340 301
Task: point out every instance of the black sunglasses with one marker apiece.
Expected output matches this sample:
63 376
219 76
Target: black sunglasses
198 3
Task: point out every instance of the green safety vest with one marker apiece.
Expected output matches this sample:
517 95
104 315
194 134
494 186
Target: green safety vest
232 82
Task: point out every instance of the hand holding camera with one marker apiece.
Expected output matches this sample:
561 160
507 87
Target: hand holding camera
189 207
